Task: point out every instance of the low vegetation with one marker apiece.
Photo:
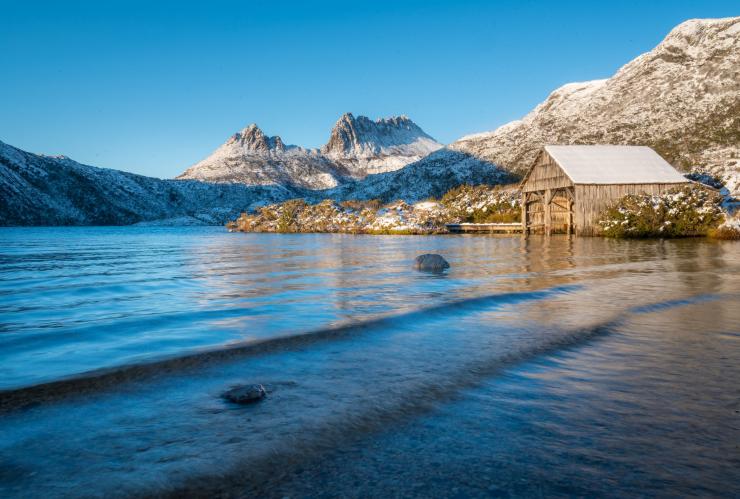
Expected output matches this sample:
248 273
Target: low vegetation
482 204
729 229
685 212
478 204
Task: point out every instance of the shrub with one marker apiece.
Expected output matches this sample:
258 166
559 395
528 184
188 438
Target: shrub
729 230
482 204
355 205
688 211
289 210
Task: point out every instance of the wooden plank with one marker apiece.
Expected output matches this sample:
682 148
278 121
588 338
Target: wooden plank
524 212
489 228
548 211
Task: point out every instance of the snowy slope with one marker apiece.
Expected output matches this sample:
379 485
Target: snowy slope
356 147
431 177
44 190
681 98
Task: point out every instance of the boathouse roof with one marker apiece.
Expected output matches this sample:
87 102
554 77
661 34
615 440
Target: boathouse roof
610 164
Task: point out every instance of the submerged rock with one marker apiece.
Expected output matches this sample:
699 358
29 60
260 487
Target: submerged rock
246 394
431 262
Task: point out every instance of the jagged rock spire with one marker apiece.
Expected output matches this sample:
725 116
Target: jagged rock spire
252 138
361 134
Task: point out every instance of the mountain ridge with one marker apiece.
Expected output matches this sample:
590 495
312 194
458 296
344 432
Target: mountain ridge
357 146
56 190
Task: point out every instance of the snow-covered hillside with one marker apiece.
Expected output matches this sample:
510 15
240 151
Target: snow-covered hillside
45 190
431 177
681 98
356 147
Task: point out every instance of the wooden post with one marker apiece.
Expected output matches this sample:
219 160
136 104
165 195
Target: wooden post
525 229
570 216
548 214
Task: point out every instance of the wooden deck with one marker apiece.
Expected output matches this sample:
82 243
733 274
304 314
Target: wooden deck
509 228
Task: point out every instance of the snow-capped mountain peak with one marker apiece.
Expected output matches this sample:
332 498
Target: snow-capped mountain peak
367 146
253 139
357 146
251 157
362 137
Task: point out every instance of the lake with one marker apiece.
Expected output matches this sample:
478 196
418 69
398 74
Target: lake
549 367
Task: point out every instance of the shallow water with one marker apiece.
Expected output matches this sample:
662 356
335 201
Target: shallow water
533 367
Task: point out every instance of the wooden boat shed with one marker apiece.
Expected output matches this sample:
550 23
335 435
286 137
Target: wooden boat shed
568 187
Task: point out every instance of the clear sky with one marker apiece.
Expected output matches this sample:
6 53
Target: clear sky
152 87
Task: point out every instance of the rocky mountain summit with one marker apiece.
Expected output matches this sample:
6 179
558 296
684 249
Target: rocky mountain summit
357 147
365 146
254 140
250 157
682 99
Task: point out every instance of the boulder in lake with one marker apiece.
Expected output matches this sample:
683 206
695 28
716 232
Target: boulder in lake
431 263
245 394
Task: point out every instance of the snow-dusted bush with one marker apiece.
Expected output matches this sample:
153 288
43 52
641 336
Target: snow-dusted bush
729 229
483 204
688 211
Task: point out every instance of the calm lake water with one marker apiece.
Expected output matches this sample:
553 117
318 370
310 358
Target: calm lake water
533 367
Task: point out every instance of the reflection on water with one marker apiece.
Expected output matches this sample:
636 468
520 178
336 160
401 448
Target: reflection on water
538 366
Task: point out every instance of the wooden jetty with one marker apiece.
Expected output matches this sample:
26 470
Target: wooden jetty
500 228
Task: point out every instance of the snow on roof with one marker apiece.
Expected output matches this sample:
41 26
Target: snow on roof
607 164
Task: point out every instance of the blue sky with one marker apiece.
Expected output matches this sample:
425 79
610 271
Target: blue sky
152 87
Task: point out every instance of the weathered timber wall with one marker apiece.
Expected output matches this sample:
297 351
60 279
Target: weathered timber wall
592 199
545 174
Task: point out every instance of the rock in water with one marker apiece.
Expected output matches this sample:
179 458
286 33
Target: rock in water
246 394
431 262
